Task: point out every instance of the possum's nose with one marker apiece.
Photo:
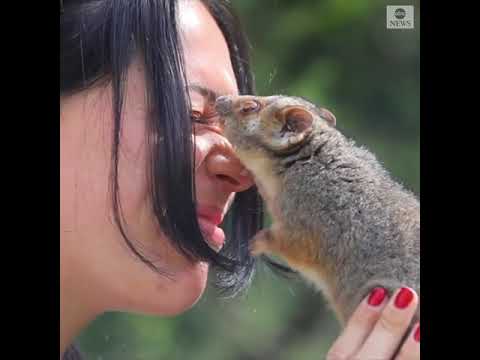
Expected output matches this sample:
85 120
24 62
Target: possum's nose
223 105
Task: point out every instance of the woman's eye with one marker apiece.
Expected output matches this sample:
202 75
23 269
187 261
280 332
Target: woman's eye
196 116
202 117
199 117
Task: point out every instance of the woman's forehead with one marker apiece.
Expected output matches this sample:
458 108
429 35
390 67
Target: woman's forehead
207 58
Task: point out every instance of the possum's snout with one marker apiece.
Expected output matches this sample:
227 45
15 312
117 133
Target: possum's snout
223 105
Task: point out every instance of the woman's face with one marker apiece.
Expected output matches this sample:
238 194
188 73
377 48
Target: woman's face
93 253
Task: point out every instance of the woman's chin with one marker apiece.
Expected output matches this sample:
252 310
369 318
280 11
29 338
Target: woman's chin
179 294
191 286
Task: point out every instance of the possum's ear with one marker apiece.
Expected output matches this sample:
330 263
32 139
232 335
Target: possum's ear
292 127
297 120
327 116
296 123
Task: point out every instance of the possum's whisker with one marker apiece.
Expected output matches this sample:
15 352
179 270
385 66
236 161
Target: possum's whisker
271 77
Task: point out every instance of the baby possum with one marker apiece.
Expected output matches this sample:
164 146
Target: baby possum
338 217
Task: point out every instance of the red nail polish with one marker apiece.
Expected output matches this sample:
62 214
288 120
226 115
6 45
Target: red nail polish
404 298
376 296
416 336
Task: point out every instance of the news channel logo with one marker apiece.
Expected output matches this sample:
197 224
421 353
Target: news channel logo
400 17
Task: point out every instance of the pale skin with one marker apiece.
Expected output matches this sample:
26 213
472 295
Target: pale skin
97 270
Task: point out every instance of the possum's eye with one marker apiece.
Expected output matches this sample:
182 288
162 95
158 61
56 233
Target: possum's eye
249 107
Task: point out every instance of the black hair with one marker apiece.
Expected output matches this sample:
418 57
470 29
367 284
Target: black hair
98 40
72 353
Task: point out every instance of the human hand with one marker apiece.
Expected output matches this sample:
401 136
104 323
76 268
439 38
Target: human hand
377 327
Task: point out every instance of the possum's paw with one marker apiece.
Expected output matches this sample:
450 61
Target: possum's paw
259 243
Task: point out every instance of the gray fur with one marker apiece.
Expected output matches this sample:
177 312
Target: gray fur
367 225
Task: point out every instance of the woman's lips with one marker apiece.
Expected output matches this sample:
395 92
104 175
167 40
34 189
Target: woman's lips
209 218
213 234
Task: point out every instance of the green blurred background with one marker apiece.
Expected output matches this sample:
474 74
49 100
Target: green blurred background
340 55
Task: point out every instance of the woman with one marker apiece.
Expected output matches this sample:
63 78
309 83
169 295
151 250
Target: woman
143 191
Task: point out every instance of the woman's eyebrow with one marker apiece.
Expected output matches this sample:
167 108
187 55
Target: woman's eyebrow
210 94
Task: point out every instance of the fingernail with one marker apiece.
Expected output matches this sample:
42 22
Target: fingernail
416 336
404 298
376 296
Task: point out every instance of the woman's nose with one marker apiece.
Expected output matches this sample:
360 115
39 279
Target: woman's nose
227 169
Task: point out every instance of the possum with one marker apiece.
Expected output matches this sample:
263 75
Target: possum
338 217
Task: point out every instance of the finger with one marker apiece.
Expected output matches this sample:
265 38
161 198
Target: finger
410 350
391 327
359 325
